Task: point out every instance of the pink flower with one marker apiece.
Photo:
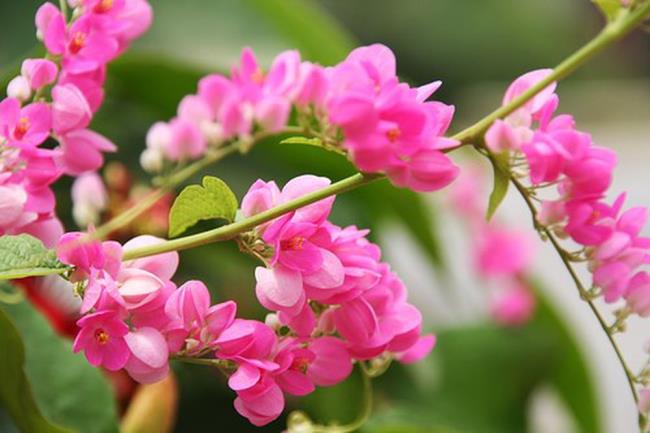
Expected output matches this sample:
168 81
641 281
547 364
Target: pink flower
81 253
102 338
637 295
524 83
418 351
331 364
39 72
613 278
502 251
12 204
262 403
513 306
163 266
294 362
89 84
148 362
84 46
24 127
387 126
82 151
137 288
501 137
70 109
89 199
186 140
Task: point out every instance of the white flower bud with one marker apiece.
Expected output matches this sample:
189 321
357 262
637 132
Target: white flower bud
19 88
273 321
213 132
152 160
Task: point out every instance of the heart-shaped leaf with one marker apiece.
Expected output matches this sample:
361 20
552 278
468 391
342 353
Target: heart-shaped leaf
213 200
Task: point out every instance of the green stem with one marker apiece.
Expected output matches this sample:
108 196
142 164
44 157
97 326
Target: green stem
300 422
232 230
63 5
366 411
614 30
578 283
177 178
153 197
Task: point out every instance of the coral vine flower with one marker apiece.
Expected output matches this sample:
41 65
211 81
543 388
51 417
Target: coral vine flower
24 127
84 46
102 338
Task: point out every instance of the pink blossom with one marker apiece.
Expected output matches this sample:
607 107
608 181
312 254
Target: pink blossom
186 140
39 72
524 83
12 203
262 403
501 251
163 266
89 84
418 351
638 294
70 109
82 151
84 46
102 338
28 126
74 249
332 363
89 198
149 353
513 306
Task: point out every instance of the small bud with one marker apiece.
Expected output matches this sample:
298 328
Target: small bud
19 88
299 422
213 132
273 321
152 160
159 136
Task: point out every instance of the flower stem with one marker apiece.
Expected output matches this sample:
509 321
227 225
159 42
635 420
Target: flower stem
176 179
614 30
299 422
231 230
584 294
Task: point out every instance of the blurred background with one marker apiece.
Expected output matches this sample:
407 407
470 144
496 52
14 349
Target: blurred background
554 373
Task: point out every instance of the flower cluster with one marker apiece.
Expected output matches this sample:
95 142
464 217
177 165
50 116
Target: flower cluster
358 105
335 303
558 154
56 96
324 279
501 254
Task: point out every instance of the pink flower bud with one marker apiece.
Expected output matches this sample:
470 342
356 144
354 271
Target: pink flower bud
39 72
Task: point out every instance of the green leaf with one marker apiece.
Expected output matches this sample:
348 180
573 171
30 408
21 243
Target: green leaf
303 140
68 390
25 256
501 183
15 390
609 8
213 200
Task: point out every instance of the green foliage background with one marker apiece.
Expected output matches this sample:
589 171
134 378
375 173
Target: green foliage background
480 378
